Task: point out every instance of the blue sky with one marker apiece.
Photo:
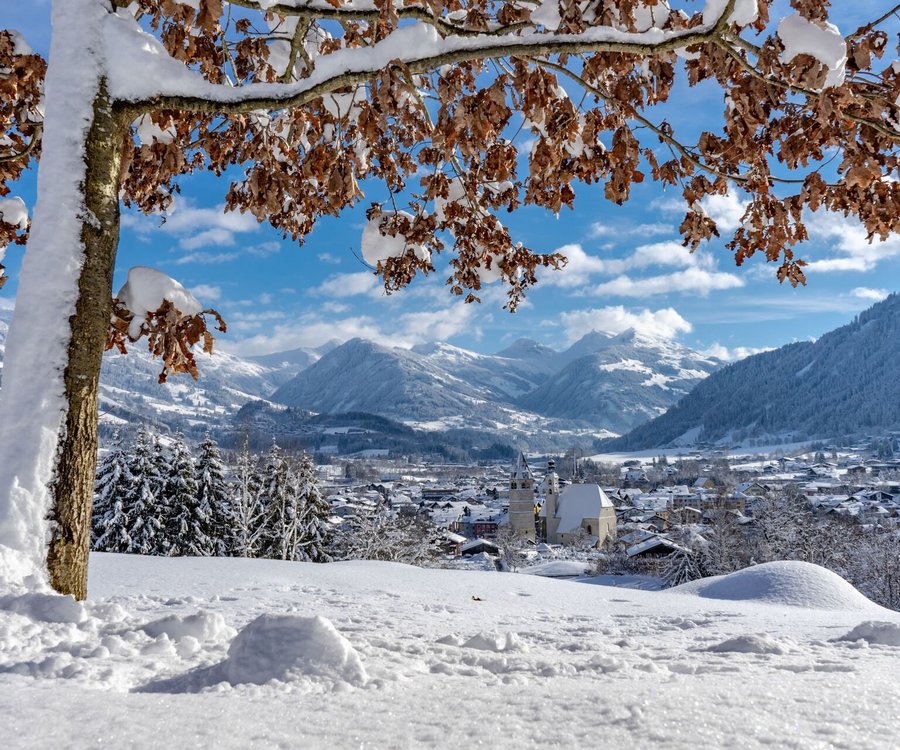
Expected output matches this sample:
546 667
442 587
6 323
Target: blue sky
626 264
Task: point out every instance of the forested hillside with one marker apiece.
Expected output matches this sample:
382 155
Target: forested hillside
843 384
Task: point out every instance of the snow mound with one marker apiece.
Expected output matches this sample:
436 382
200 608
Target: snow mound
284 647
204 626
558 569
749 644
878 633
791 583
45 608
146 289
495 642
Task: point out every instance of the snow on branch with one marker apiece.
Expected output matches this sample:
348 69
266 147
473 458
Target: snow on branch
154 305
140 71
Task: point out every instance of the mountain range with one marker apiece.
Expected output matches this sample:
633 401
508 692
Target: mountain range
602 383
528 393
844 383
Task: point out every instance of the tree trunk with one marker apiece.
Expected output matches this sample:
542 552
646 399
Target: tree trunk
48 403
73 486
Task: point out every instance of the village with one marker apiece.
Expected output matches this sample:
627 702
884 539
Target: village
637 512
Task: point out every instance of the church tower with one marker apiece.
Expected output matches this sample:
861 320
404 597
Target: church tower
521 499
551 502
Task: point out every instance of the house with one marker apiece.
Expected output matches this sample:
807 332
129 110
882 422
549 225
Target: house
655 547
687 515
579 511
477 546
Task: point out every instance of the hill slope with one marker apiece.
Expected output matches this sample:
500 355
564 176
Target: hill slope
844 383
229 652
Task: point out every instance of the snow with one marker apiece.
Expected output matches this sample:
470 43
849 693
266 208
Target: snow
139 68
13 211
149 132
875 633
386 655
377 247
145 291
822 41
743 13
787 583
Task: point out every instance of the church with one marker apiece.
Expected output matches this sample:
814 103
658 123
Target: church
580 513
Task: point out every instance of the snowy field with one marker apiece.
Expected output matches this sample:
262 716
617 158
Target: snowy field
252 653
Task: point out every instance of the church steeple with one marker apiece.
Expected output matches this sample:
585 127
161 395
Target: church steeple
521 499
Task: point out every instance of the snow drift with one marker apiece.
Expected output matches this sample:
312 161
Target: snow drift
790 583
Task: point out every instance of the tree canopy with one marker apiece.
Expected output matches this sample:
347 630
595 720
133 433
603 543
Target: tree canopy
312 97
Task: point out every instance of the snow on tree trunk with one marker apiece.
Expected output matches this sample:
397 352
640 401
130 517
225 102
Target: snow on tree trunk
48 404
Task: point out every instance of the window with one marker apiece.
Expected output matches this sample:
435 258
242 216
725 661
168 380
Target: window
589 529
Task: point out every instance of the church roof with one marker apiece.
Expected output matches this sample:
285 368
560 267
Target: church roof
577 502
521 469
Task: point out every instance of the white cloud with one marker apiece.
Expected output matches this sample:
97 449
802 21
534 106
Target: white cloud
581 266
719 351
695 280
263 249
329 258
666 253
667 322
577 271
349 284
217 236
206 258
7 303
435 325
649 229
865 293
265 298
312 329
726 210
197 227
207 293
244 322
848 237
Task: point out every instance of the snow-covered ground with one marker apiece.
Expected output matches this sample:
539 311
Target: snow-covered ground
252 653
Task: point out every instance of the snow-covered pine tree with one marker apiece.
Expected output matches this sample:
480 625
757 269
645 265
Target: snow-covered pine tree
247 510
682 566
279 530
187 526
142 504
213 495
314 535
110 522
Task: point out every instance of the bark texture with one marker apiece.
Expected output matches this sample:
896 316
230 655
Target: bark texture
73 485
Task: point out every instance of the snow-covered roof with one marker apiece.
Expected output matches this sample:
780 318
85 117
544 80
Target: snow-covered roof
521 470
577 502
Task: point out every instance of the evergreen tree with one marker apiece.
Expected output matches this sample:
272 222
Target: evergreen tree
109 526
142 503
247 510
278 536
187 527
313 536
213 495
